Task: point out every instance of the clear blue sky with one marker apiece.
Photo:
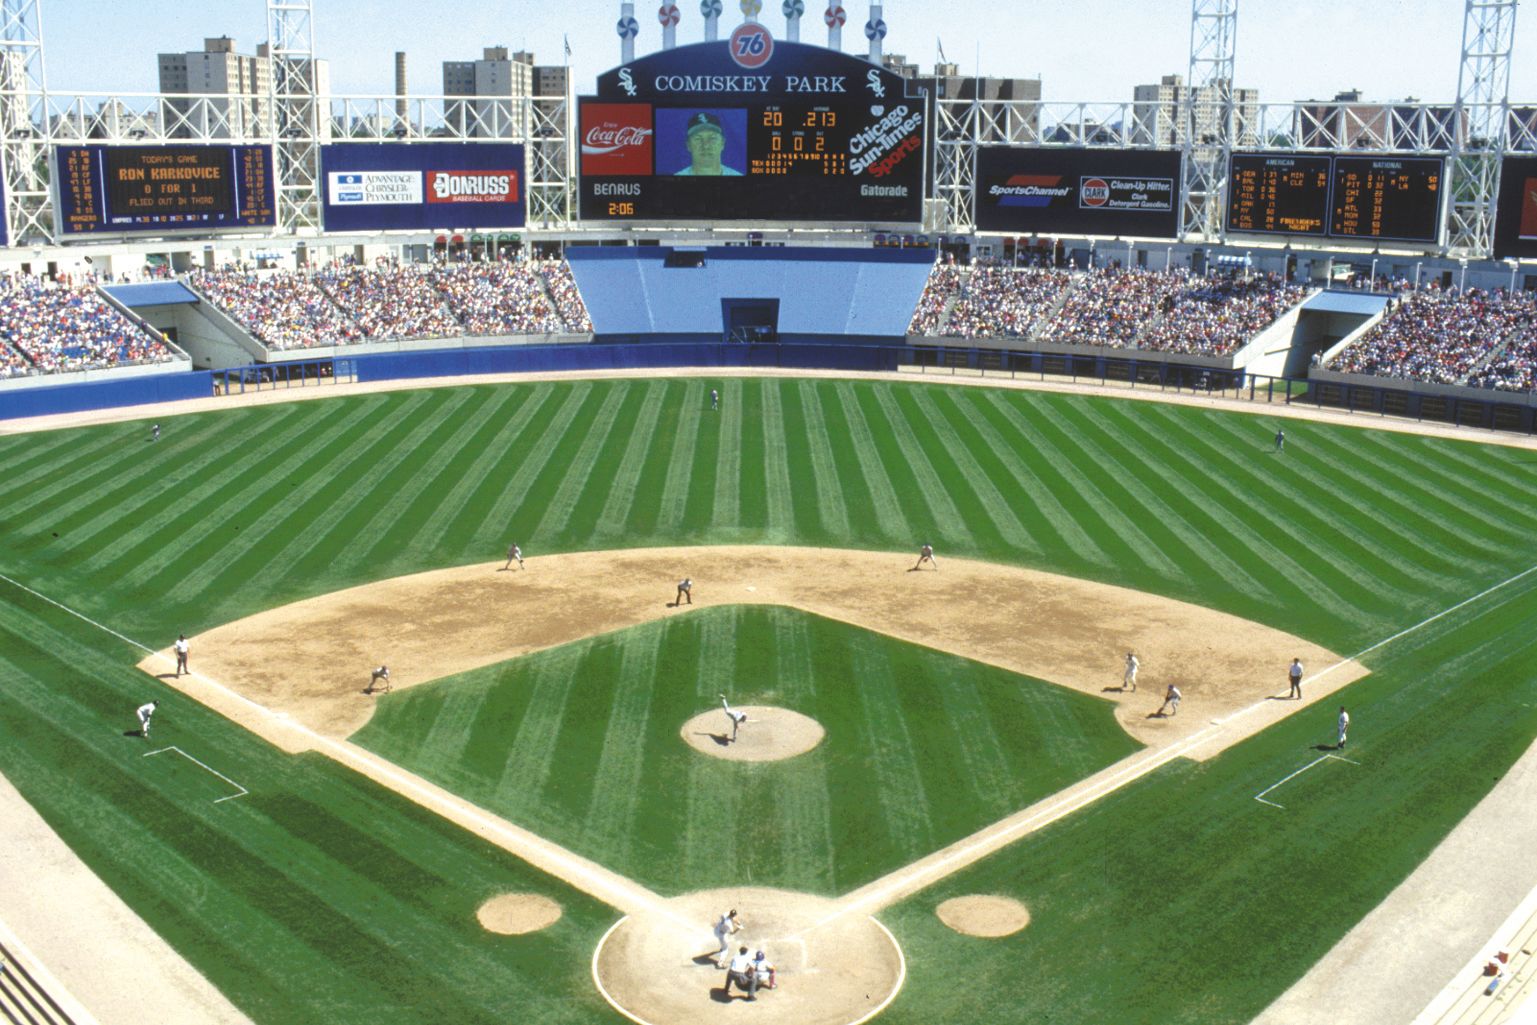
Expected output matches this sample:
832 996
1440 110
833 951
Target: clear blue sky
1094 50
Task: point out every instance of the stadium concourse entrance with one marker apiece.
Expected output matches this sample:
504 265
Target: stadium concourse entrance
288 374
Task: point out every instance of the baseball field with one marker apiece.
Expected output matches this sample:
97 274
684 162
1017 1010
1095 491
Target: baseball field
300 544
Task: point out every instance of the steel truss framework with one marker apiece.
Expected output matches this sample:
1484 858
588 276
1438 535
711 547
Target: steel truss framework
1472 133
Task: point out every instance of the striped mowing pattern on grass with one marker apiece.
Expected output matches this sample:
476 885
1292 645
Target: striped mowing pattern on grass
319 883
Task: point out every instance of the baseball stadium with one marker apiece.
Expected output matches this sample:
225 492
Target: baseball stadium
764 533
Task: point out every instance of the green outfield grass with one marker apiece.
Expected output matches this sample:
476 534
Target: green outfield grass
1179 898
922 748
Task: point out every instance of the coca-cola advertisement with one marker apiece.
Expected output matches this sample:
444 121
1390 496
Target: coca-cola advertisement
617 138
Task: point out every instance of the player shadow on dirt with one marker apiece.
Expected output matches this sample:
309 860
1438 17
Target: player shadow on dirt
721 740
165 676
720 996
704 959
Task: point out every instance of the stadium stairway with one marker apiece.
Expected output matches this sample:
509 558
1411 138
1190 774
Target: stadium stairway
28 994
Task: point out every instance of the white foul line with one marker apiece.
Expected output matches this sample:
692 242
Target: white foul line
216 772
1260 797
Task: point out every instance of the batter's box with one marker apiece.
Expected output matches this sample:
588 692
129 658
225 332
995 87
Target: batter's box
206 771
1260 797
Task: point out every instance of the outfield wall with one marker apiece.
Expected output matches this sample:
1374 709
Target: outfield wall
121 391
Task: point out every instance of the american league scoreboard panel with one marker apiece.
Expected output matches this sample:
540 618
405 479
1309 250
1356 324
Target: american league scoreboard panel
752 129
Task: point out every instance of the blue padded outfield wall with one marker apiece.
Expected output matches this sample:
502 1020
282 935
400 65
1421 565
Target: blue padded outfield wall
129 391
513 359
823 293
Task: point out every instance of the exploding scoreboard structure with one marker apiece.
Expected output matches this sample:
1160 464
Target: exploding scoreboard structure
752 129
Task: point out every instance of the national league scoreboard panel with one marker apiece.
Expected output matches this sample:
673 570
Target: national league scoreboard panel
1366 198
158 189
752 129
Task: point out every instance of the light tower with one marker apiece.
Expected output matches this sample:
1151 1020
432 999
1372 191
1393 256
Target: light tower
295 114
1209 128
793 9
875 31
1480 124
23 123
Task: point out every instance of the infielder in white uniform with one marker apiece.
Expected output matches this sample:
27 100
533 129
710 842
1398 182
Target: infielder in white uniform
514 554
1171 701
1129 681
926 554
737 718
144 713
380 680
1343 726
725 927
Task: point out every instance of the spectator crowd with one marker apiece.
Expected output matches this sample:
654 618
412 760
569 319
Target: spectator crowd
54 327
346 302
1002 302
1481 338
1216 317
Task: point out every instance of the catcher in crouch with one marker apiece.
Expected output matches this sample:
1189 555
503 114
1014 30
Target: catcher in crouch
737 718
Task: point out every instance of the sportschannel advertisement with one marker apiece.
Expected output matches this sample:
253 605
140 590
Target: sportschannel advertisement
422 186
1059 191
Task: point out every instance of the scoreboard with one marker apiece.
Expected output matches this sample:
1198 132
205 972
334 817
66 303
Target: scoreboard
1374 199
155 189
752 129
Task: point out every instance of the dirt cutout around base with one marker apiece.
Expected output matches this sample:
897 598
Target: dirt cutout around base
769 735
984 914
513 914
830 970
1068 631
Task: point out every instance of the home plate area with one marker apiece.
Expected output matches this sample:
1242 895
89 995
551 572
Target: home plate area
832 969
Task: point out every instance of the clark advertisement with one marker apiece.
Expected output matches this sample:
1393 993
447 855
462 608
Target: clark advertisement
433 186
1047 191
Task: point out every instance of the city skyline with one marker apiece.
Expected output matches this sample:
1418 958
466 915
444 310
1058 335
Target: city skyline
1133 43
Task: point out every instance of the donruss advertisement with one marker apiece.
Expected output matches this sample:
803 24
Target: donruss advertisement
752 129
1515 221
1048 191
422 186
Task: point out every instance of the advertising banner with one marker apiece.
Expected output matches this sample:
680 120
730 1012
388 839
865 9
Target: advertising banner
430 186
1051 191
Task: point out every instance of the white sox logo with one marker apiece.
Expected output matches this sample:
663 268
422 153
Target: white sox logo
627 81
873 80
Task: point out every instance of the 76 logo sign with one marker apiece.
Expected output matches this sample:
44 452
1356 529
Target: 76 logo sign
751 45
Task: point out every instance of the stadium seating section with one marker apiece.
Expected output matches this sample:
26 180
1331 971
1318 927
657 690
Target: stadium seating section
350 304
1165 312
1477 338
49 327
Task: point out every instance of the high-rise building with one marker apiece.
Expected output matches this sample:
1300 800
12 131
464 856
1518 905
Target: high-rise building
492 88
238 88
1162 114
1010 107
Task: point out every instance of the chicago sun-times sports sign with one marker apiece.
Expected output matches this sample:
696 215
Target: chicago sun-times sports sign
752 129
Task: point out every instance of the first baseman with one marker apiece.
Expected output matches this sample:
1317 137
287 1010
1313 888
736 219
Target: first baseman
380 676
144 713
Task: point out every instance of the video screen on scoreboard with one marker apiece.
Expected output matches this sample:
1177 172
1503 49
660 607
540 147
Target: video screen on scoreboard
1388 199
1515 218
1278 194
1039 191
798 133
154 189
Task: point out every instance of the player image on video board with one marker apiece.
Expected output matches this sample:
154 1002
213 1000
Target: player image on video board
693 143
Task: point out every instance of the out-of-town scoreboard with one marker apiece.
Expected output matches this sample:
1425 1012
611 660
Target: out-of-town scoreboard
1367 198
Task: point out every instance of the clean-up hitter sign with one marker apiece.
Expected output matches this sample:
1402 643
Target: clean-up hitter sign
423 187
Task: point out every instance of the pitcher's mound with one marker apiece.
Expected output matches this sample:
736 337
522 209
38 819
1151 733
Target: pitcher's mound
768 735
984 915
657 967
513 914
